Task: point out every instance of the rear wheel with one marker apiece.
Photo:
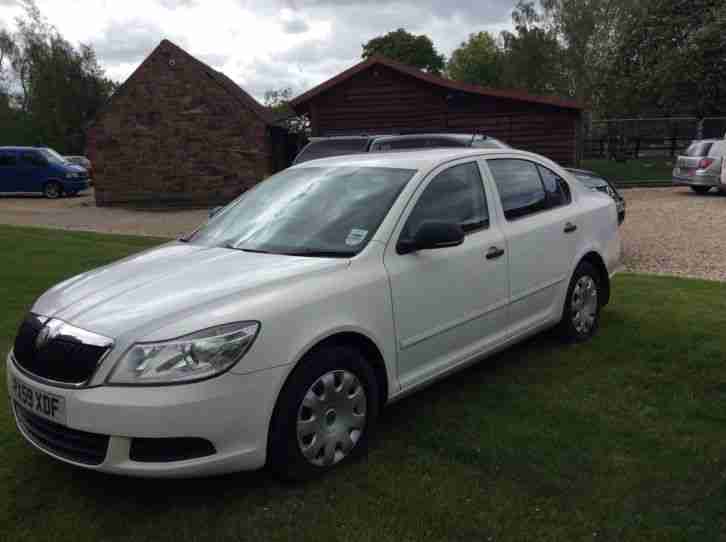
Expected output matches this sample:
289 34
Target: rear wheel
701 189
581 314
325 414
52 190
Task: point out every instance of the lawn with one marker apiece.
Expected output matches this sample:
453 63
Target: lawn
623 438
644 171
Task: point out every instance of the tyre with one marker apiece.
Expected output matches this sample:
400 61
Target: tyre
701 189
581 314
325 414
52 190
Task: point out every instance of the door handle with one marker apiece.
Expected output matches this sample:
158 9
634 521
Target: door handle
494 252
570 227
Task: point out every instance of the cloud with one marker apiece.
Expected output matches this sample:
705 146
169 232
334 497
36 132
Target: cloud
295 26
174 4
130 41
262 44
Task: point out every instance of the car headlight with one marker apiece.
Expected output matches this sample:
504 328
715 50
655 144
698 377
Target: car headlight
193 357
71 175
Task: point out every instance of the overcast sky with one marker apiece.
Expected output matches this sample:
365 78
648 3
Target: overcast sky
260 44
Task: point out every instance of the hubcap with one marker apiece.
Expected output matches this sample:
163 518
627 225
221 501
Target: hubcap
331 418
52 190
584 304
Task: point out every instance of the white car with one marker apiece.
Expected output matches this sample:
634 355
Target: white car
276 332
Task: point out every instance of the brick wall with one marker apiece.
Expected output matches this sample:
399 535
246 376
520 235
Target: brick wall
173 136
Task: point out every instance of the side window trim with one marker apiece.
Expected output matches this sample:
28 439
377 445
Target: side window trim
537 165
431 177
568 193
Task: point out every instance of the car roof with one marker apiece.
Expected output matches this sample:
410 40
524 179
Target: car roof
15 148
341 138
413 159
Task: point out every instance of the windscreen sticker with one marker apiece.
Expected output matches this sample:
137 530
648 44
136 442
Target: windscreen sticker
355 237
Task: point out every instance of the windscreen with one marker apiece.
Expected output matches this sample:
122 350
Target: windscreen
699 148
313 211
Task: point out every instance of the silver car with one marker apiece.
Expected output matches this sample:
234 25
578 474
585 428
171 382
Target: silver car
700 166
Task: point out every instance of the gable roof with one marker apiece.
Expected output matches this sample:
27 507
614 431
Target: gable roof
222 80
435 80
225 82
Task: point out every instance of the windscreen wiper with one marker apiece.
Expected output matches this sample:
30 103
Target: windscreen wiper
320 253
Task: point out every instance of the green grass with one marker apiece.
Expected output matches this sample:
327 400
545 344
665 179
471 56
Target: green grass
623 438
643 171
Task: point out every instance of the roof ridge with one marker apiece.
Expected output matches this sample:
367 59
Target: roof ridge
512 94
227 84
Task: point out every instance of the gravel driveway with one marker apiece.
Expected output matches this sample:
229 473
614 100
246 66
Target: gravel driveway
81 213
675 231
667 230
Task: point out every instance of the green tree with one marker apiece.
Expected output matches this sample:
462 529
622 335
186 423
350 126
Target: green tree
61 87
670 59
407 48
477 61
532 58
278 100
589 31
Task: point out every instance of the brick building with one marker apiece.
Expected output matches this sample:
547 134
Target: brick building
177 132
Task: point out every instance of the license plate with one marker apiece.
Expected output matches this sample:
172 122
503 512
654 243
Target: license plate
47 405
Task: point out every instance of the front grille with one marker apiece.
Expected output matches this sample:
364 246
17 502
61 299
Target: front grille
65 358
71 444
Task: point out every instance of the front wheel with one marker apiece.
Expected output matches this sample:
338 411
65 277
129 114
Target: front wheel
325 414
701 189
52 190
581 313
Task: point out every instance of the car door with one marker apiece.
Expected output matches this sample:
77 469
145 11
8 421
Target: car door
9 183
542 235
449 303
32 169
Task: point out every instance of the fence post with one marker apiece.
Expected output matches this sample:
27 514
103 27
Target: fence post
674 140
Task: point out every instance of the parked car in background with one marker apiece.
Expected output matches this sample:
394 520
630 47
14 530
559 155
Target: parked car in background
81 161
39 170
325 147
346 284
598 182
700 165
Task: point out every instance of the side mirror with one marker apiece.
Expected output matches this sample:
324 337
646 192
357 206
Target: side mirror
431 235
214 211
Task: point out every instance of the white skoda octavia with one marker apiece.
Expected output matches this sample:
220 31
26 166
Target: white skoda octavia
275 333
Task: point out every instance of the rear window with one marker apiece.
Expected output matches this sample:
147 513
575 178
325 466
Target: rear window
699 148
403 144
718 149
331 147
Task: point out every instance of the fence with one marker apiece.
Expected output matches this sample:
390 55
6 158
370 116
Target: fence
647 138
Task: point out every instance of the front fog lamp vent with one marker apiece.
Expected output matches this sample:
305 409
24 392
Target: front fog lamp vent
164 450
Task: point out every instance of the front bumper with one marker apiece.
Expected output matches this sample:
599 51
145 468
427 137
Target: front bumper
231 411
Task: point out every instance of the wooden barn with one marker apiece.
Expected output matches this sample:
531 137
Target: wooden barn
178 132
380 96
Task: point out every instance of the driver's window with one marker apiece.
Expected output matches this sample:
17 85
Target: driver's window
455 195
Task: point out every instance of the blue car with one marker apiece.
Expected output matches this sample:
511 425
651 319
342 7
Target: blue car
39 170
